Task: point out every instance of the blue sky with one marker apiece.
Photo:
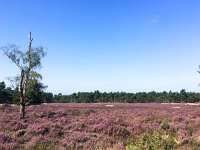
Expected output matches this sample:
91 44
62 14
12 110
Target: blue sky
107 45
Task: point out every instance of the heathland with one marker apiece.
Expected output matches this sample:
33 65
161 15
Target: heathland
98 126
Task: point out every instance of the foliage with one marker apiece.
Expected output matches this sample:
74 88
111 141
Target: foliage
34 93
6 94
21 59
140 97
26 62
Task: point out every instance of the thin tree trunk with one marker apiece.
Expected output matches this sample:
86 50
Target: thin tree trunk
24 80
22 98
22 111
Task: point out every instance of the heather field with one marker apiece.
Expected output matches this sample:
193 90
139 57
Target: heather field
100 126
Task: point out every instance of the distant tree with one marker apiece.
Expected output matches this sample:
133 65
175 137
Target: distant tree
103 97
96 96
27 62
140 97
74 95
2 92
6 93
183 95
2 85
47 97
34 93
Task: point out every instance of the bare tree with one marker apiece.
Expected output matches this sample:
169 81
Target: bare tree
27 62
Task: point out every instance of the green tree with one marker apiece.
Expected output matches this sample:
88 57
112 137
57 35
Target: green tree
6 93
96 96
47 97
27 62
34 93
183 95
2 92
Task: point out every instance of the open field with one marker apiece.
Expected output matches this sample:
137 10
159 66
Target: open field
101 126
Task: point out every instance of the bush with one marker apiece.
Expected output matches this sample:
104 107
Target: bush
152 142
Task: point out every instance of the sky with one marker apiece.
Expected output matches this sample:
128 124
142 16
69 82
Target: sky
107 45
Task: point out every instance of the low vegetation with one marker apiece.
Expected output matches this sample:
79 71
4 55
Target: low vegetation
100 126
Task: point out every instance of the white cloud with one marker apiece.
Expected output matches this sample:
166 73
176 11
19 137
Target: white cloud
153 20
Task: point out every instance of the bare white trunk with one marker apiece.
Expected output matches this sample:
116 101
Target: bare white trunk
22 98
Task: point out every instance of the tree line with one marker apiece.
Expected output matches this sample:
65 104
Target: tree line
36 95
139 97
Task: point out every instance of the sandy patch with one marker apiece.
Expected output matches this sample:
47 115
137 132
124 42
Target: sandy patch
193 104
176 107
109 105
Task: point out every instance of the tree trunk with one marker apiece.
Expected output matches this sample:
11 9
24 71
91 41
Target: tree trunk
22 97
22 111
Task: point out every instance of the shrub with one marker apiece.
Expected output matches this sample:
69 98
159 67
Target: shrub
164 124
152 142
